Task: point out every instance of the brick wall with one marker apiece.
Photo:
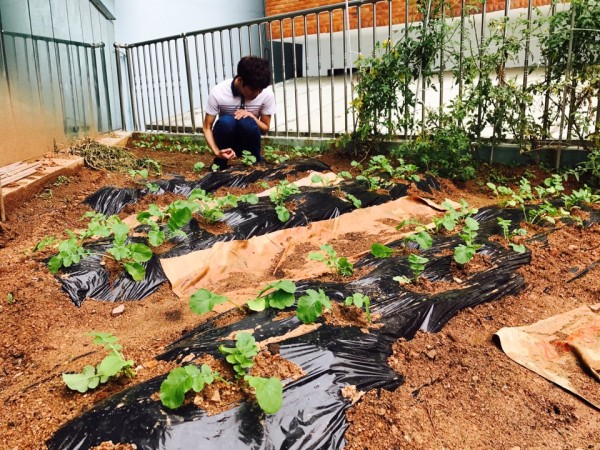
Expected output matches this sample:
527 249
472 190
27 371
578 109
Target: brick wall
335 19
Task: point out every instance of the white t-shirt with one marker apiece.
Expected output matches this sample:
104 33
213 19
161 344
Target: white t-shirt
222 101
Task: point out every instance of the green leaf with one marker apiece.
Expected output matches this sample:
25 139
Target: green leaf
282 213
280 299
284 285
174 388
519 248
81 382
203 301
156 238
310 306
269 392
120 252
344 267
258 304
140 252
381 251
316 256
136 270
179 218
55 263
463 254
110 366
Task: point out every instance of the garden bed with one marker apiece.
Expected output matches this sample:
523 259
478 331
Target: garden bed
460 390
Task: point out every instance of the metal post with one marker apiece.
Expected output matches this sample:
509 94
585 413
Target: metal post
96 87
319 75
179 85
132 89
332 72
281 41
188 72
120 87
164 57
153 82
309 115
199 75
525 70
294 68
159 82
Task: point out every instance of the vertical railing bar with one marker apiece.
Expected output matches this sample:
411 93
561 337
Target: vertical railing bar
49 72
70 65
233 70
294 68
352 84
331 75
249 28
28 70
260 39
374 26
567 87
223 55
141 89
96 85
389 48
309 115
133 89
206 62
83 108
345 35
153 81
147 91
177 59
199 74
442 65
164 58
479 108
545 116
525 71
272 66
188 72
285 109
120 87
159 83
214 56
318 15
426 20
36 61
9 93
103 49
405 81
173 94
461 49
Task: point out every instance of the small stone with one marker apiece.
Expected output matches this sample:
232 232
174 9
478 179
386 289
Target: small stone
381 411
515 448
407 438
150 364
118 310
395 429
595 308
188 358
431 354
216 397
573 247
475 378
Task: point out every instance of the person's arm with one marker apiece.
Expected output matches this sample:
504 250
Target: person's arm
226 153
264 122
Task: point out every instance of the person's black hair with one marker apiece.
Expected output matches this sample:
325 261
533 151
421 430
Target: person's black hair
254 72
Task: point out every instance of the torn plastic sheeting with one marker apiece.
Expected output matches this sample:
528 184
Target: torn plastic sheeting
90 279
312 415
110 200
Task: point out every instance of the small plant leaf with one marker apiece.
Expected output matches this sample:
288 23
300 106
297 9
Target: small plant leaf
174 387
203 301
83 381
136 270
269 392
310 306
257 304
381 251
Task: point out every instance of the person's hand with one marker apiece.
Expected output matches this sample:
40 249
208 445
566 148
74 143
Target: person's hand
226 153
241 113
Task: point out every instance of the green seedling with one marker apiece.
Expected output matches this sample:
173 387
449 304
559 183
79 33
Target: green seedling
355 201
583 196
508 234
268 391
453 216
203 301
311 305
10 299
199 166
183 379
336 264
421 237
214 167
359 300
463 253
279 195
278 295
417 266
45 242
381 251
113 364
248 158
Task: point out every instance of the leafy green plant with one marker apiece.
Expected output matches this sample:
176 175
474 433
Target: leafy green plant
113 364
199 166
508 234
417 265
278 294
10 299
583 196
355 201
268 391
274 155
453 217
279 195
359 300
203 301
311 305
381 251
463 253
248 158
70 251
422 238
183 379
336 264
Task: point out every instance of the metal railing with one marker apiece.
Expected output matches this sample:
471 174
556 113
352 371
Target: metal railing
164 83
63 77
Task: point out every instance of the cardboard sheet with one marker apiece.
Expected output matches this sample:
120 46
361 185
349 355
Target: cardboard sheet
564 349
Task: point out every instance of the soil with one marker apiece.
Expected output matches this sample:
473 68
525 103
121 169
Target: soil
460 390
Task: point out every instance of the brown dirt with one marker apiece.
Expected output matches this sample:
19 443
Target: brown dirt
461 391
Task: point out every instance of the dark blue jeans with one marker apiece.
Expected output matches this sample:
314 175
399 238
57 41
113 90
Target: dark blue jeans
240 135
